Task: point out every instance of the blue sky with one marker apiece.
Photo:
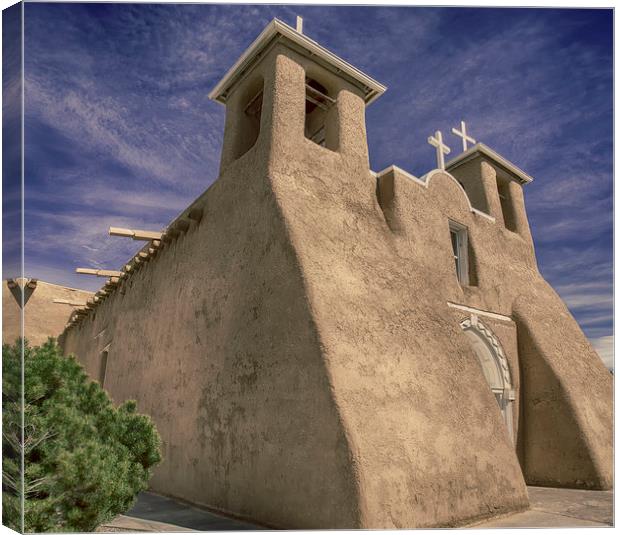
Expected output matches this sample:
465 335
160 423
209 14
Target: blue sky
120 131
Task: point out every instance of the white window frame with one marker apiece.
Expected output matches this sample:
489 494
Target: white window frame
461 256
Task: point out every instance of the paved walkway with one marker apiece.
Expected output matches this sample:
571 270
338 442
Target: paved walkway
153 512
548 508
556 508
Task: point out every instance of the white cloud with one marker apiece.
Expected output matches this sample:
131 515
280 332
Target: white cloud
604 346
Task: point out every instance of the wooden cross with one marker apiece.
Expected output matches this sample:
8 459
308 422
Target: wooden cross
442 149
462 133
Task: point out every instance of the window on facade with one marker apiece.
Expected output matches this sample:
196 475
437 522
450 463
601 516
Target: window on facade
505 200
103 365
318 103
458 236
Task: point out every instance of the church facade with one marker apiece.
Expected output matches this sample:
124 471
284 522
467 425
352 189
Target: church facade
323 346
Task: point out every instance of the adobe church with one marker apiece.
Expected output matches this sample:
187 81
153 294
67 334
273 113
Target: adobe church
323 346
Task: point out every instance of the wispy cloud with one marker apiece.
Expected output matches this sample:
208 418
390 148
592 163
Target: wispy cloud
587 300
151 149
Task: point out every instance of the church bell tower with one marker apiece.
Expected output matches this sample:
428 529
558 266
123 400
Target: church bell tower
290 102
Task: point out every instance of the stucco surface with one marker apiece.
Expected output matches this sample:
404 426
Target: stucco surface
43 318
297 351
568 419
566 403
216 340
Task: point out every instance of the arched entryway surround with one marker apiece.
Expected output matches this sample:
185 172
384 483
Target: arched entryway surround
494 364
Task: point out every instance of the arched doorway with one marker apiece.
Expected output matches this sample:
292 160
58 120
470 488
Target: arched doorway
494 366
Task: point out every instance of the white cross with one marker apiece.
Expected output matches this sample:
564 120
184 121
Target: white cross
300 24
462 133
442 149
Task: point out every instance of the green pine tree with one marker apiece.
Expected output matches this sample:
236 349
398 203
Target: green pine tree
84 459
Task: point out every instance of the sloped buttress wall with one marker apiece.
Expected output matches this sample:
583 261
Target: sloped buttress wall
216 341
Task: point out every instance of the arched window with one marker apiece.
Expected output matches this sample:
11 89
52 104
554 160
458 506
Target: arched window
494 366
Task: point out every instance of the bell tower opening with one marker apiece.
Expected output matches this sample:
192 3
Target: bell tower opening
318 104
252 107
506 203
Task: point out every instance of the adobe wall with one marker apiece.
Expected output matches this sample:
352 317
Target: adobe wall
425 429
566 401
568 412
425 458
216 340
297 352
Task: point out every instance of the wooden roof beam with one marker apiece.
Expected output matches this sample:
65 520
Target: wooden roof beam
144 257
98 272
195 214
67 302
181 225
170 234
142 235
